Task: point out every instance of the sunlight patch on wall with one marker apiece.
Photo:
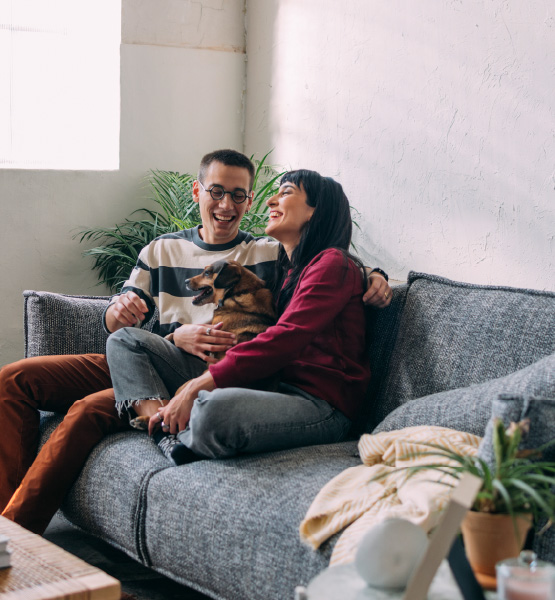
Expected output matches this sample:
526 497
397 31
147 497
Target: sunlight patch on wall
60 92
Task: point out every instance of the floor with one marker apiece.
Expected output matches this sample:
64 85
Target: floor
137 582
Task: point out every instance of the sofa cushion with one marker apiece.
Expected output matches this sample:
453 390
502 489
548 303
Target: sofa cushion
62 324
453 335
382 325
243 515
541 413
469 408
107 500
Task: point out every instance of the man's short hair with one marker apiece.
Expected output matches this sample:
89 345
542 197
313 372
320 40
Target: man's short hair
230 158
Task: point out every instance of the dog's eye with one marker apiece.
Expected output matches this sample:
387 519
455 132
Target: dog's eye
209 272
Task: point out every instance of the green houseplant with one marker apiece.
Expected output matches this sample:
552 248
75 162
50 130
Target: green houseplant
517 490
119 246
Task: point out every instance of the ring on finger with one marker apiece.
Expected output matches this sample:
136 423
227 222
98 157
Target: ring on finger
159 417
209 331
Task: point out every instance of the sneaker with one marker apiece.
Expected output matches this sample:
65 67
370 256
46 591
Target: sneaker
176 452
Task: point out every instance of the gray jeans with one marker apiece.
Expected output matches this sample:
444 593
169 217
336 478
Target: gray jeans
226 421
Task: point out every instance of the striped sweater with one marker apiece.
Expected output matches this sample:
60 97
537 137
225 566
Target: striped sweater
164 265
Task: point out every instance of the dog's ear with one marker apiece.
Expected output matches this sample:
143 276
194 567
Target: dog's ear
228 275
217 267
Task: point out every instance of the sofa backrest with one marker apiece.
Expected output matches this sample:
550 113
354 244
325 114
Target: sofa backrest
439 335
65 324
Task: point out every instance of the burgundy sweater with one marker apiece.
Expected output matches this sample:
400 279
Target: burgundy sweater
317 344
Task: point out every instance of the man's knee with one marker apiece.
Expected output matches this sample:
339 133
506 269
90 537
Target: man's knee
129 338
97 411
10 372
123 336
19 374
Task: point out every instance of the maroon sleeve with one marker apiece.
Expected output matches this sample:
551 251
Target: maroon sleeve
325 287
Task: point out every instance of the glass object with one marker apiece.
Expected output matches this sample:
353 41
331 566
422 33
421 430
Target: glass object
218 192
525 578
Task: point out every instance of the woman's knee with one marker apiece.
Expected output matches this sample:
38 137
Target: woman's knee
215 429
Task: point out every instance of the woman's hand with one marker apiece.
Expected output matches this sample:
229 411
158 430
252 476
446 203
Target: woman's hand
176 414
378 293
202 340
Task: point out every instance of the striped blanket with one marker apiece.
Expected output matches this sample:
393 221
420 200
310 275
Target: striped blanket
356 500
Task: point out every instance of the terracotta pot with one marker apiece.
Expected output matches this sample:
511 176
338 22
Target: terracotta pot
489 538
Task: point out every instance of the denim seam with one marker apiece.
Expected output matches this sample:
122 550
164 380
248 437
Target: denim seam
292 426
170 363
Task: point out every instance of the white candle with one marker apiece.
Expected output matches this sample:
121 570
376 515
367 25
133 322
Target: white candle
515 589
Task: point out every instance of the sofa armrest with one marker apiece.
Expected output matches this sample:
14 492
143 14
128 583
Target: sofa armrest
63 324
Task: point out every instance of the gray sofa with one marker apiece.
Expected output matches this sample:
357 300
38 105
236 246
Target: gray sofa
441 354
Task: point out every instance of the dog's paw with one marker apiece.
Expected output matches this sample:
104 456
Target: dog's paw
140 423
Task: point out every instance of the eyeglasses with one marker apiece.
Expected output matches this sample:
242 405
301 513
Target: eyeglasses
218 192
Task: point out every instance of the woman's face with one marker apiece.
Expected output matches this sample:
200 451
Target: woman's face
289 213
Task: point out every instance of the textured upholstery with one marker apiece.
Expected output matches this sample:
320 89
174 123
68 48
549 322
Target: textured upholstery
246 542
382 328
469 408
64 324
452 335
108 499
50 324
440 354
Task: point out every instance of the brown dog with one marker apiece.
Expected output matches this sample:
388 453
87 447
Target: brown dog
243 304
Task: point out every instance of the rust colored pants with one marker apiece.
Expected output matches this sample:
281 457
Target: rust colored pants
33 486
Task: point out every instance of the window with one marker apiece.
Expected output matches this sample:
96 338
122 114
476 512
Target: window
59 90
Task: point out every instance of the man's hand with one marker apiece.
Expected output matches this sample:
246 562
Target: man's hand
378 293
127 311
176 414
201 340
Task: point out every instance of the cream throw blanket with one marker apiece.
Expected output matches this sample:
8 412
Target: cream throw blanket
355 501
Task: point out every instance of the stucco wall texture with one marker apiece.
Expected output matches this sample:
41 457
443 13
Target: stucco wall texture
438 117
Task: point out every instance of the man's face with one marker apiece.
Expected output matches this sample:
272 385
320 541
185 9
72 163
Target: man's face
221 218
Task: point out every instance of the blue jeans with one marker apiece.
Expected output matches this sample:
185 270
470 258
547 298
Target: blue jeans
226 421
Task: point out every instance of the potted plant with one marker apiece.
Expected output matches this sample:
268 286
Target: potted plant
517 492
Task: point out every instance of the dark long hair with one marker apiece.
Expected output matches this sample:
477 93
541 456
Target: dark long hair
329 227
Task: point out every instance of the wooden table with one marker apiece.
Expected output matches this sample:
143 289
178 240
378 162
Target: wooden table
42 571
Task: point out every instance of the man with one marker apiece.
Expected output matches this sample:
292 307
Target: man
32 489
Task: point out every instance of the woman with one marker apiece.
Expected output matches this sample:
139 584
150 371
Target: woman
317 346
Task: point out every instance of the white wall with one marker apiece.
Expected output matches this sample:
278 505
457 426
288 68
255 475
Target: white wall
438 117
171 50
